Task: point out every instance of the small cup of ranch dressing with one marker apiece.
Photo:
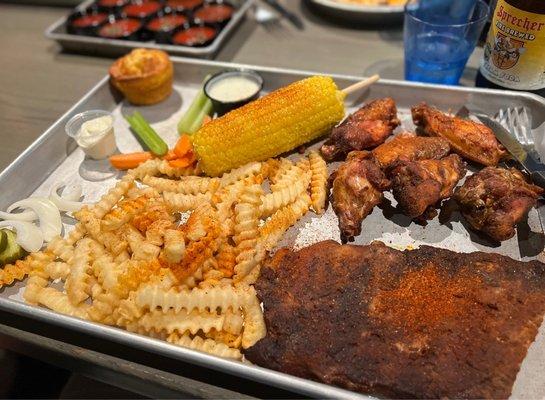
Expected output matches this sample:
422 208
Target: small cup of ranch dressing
93 131
232 89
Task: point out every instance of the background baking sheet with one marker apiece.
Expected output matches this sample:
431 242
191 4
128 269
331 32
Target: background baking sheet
55 158
110 47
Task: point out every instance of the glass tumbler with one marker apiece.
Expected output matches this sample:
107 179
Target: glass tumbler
439 37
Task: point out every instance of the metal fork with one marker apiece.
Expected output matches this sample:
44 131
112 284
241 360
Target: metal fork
517 120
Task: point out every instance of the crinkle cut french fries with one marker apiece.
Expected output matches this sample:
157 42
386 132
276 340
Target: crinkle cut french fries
173 255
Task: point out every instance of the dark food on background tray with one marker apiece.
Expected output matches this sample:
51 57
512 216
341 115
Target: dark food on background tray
494 200
364 129
128 28
90 20
184 5
214 13
426 323
357 188
195 36
470 139
167 23
111 4
179 22
418 186
85 23
409 147
144 76
142 10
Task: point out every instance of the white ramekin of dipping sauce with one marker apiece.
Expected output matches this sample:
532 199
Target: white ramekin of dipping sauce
232 89
93 131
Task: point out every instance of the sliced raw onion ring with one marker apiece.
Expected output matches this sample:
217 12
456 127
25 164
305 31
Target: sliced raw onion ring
66 201
27 216
48 215
29 236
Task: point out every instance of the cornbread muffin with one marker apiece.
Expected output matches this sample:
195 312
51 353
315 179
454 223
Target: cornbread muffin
144 76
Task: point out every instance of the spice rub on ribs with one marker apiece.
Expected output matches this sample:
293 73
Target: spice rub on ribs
426 323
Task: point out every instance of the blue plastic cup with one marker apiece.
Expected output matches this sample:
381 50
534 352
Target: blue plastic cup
439 37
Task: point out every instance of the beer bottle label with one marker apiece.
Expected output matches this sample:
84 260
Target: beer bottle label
514 53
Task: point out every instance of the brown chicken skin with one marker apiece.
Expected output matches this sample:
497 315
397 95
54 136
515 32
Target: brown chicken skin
469 139
357 188
366 128
419 185
409 147
494 200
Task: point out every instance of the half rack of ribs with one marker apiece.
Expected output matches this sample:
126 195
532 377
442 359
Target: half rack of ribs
426 323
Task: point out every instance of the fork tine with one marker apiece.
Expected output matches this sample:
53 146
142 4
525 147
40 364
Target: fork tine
517 120
513 123
519 127
526 124
522 126
500 116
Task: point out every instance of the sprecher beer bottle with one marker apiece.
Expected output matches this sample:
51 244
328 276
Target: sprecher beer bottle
514 52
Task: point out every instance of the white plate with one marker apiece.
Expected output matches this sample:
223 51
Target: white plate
360 13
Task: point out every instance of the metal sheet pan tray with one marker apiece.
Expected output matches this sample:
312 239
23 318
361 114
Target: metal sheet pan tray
53 157
111 47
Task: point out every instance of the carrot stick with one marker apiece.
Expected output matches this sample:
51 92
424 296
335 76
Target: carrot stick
183 146
171 155
130 160
183 162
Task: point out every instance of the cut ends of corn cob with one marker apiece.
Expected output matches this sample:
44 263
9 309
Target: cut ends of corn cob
274 124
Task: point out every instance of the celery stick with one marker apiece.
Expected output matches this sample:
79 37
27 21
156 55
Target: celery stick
193 112
206 110
156 144
147 135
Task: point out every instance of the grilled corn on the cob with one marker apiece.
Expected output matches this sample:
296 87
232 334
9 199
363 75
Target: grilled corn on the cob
269 126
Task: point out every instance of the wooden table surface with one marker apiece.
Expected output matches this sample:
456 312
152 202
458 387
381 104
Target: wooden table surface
38 82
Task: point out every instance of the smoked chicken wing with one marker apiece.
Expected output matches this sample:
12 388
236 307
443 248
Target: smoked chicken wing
366 128
470 139
494 200
357 188
409 147
419 185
